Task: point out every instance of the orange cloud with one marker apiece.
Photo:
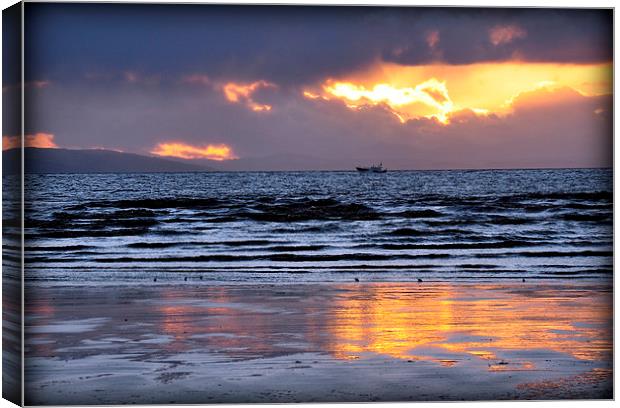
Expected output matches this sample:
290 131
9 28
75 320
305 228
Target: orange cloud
242 93
499 35
439 91
545 95
182 150
42 140
429 99
311 95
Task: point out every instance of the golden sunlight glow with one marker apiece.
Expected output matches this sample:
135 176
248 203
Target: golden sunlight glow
439 91
182 150
42 140
242 93
311 95
431 96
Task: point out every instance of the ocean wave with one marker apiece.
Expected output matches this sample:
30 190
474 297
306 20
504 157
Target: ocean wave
606 218
456 245
431 222
550 254
285 257
407 232
427 213
153 203
64 248
309 209
300 229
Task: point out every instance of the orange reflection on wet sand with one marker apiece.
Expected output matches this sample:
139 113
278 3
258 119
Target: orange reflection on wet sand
542 340
491 337
468 320
183 318
216 320
380 320
506 327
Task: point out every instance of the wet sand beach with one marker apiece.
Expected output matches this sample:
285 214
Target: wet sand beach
193 342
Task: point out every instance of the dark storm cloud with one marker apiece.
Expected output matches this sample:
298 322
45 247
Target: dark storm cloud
550 35
11 70
293 45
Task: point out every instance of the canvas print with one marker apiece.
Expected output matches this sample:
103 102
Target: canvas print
253 204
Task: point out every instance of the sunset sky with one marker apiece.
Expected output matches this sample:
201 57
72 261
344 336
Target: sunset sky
411 87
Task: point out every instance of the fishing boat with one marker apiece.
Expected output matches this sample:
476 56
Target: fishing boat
372 169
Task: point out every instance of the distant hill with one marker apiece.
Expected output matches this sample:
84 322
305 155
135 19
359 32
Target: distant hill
91 161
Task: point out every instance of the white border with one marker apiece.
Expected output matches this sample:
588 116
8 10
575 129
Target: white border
455 3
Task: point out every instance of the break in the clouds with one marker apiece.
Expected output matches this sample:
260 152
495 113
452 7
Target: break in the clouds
243 93
413 87
42 140
186 151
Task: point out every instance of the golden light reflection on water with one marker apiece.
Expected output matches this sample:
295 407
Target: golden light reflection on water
380 321
503 326
464 329
467 320
442 323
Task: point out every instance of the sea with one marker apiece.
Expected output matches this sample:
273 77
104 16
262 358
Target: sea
296 227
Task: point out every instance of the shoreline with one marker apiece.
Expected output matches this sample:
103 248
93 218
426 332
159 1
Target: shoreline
330 342
193 279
